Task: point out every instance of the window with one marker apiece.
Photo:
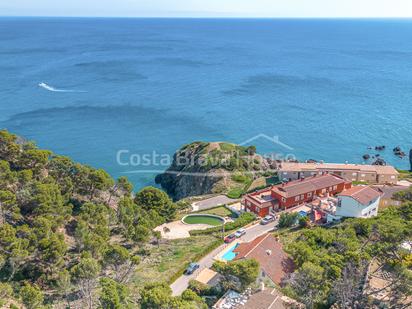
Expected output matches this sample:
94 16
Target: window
362 175
283 199
285 173
335 187
330 188
248 203
297 198
309 194
339 203
393 177
353 174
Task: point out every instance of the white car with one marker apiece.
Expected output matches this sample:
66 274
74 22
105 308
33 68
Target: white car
240 233
267 219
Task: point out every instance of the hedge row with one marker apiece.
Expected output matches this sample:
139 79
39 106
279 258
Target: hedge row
244 219
212 246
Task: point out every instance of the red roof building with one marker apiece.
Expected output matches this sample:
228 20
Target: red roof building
293 193
274 262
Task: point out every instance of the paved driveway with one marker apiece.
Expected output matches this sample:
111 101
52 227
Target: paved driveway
252 232
212 202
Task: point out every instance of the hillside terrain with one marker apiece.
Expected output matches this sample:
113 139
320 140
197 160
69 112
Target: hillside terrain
71 236
205 168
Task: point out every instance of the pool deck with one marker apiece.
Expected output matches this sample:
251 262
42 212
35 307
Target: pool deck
226 249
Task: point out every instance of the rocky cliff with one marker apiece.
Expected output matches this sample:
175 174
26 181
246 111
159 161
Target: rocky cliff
203 168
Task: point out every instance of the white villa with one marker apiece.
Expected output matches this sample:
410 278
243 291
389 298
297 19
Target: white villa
358 202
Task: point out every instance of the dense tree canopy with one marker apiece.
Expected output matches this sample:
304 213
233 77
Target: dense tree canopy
327 258
67 228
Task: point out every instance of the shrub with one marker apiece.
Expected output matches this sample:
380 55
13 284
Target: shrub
288 219
31 296
246 272
235 193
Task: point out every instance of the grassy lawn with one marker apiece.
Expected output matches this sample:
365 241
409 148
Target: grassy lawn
218 211
258 183
203 220
235 193
405 175
167 258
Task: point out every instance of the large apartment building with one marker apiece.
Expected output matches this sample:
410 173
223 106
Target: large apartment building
293 193
372 174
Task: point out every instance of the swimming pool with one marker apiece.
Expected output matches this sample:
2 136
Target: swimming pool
230 255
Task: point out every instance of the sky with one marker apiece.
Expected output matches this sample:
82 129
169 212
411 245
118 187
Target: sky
208 8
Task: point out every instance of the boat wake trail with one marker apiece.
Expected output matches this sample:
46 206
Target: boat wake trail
52 89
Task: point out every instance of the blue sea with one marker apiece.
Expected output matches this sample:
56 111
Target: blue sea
89 88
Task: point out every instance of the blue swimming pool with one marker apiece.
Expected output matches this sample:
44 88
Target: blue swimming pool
230 255
302 213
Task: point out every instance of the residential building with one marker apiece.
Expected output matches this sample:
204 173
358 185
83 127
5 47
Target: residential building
209 277
293 193
260 202
263 298
372 174
274 263
358 202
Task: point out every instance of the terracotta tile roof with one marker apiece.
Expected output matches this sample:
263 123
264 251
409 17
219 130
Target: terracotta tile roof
310 184
266 299
362 194
299 167
270 255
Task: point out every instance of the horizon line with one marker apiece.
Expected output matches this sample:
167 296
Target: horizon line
206 17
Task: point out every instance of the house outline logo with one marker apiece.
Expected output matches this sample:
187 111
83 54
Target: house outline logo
275 140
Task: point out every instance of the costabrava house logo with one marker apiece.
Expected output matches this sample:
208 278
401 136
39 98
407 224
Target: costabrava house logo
212 159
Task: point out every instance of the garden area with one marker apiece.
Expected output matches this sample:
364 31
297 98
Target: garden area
221 211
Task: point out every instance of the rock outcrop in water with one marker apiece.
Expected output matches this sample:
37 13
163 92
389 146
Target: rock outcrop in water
410 159
204 168
379 161
397 151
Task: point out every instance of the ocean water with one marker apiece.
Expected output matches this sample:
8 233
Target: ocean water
88 88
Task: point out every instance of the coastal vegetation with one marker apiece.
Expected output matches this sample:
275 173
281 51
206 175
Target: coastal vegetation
405 175
210 168
221 211
70 234
332 263
238 275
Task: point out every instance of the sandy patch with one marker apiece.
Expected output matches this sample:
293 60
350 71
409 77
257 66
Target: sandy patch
177 229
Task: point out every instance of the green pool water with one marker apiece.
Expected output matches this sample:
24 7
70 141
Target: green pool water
203 220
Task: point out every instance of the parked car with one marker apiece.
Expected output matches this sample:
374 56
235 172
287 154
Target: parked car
240 233
230 238
267 219
191 268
